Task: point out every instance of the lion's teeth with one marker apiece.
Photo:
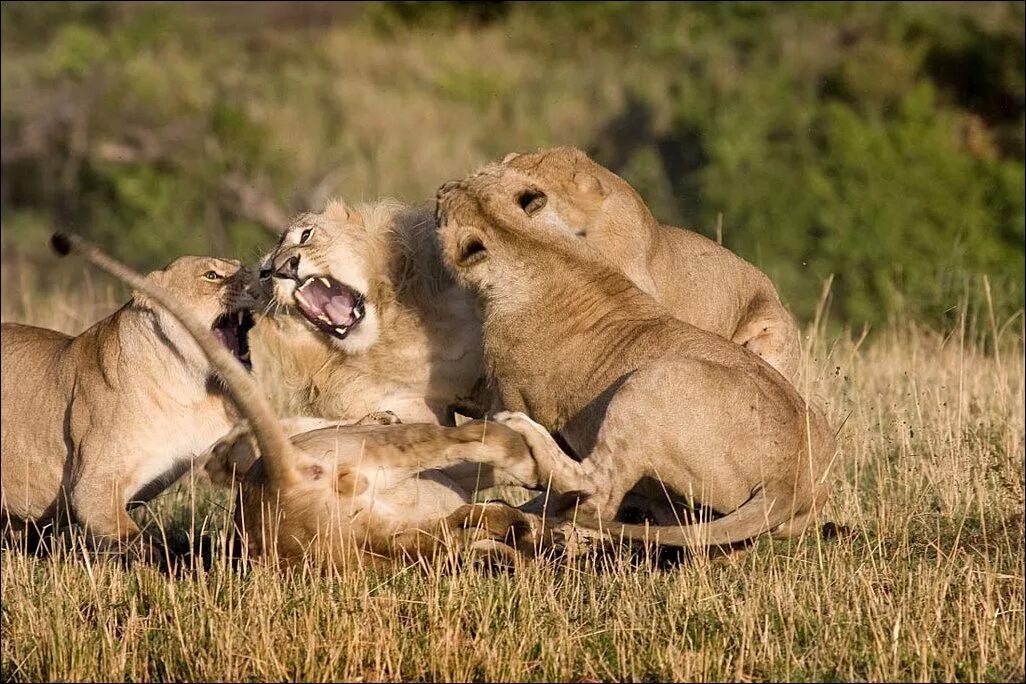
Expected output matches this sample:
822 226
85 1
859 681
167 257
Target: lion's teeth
300 298
342 329
324 319
325 282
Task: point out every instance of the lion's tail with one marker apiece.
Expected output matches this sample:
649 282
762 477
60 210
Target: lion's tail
752 518
278 453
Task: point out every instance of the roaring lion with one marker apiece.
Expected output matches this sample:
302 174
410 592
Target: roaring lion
576 345
697 280
363 317
118 412
348 495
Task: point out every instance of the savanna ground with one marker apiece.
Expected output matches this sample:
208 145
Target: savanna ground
929 585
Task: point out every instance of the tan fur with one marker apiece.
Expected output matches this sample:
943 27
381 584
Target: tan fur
376 493
573 343
418 350
697 280
423 353
114 414
356 494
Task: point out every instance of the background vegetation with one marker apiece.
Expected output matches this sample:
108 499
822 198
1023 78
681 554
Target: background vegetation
882 143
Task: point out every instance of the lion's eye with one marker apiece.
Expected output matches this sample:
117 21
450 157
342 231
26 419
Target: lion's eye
305 235
212 275
532 201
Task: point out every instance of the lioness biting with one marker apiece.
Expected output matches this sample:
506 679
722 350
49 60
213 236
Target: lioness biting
349 495
118 412
697 280
575 344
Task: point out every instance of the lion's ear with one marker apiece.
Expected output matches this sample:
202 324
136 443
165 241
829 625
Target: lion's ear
353 215
510 157
158 278
589 185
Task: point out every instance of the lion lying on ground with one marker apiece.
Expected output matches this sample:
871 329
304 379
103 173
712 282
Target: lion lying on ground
572 342
357 494
697 280
117 413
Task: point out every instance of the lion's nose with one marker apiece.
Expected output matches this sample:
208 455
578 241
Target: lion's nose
290 269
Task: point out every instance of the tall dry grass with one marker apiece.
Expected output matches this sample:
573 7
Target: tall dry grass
929 585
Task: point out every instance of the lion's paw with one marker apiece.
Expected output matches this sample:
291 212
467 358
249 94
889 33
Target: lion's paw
231 457
380 418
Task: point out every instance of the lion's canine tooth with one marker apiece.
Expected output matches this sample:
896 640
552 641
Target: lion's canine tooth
298 294
325 282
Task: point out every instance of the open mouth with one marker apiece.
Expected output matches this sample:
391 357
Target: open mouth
334 308
233 331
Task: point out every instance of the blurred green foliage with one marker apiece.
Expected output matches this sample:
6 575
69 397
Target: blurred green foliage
881 143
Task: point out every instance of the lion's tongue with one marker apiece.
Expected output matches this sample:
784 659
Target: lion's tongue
332 301
340 309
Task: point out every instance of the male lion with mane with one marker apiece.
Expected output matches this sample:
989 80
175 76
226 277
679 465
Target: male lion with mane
361 321
363 317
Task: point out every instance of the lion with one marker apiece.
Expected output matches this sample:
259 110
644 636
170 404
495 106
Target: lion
573 343
358 315
363 317
117 413
696 279
354 495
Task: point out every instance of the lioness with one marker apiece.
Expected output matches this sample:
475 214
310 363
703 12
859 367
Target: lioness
345 495
697 280
579 347
118 412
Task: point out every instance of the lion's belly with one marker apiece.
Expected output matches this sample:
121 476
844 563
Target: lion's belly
405 502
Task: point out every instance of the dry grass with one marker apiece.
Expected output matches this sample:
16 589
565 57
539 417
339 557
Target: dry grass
930 585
